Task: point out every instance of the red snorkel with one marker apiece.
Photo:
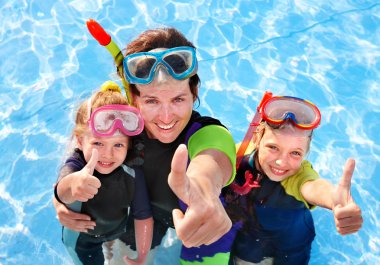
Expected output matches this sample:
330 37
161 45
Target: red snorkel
98 32
252 127
105 40
249 182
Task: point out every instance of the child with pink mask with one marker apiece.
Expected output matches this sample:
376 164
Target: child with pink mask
97 180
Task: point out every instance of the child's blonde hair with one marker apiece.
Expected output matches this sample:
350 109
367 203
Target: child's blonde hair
264 126
110 93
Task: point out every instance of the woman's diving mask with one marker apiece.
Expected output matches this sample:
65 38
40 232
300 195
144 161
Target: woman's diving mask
179 62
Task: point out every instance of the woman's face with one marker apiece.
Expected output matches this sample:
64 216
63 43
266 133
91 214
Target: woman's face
281 154
166 108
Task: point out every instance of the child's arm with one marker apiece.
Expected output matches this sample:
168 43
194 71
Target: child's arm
318 192
80 185
144 234
347 214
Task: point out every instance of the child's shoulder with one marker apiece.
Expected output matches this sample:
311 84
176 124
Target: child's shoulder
305 173
306 168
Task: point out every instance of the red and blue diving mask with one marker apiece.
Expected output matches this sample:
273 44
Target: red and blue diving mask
302 113
107 120
276 110
141 68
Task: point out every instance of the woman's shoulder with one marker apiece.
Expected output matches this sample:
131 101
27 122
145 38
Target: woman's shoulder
204 120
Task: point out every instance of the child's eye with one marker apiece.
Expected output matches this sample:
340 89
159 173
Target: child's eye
97 143
119 145
272 147
296 153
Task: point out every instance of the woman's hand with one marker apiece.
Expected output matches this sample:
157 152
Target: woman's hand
72 220
205 220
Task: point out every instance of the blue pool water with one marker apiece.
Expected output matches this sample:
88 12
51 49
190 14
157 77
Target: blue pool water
326 51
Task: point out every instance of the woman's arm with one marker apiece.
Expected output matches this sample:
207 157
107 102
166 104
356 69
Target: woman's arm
205 219
144 235
72 220
212 155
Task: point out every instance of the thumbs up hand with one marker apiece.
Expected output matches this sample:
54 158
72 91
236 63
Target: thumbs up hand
205 219
84 185
347 214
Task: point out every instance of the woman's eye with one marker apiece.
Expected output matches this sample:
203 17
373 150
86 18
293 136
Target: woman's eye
97 143
119 145
151 101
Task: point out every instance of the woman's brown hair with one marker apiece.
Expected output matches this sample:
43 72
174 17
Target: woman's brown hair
161 38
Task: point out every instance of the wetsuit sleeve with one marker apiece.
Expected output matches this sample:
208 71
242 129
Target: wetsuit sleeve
294 183
214 137
74 163
140 205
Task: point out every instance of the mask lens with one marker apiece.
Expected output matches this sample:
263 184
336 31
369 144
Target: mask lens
107 119
130 120
179 61
103 121
141 66
301 112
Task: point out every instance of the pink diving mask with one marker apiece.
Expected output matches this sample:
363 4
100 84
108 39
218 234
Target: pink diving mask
106 120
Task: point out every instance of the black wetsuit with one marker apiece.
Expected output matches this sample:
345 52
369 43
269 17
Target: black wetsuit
156 163
121 191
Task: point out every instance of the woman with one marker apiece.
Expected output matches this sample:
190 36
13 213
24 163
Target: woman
164 86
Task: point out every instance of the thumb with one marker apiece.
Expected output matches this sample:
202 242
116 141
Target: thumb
343 192
91 164
177 179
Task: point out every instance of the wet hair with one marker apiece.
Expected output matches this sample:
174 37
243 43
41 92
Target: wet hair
161 38
106 96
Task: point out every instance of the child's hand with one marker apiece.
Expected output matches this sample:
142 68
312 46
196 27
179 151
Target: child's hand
347 214
85 186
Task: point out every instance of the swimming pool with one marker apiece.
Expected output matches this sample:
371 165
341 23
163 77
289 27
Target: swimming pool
324 51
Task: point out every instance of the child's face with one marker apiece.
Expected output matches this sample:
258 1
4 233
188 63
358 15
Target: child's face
281 154
112 150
